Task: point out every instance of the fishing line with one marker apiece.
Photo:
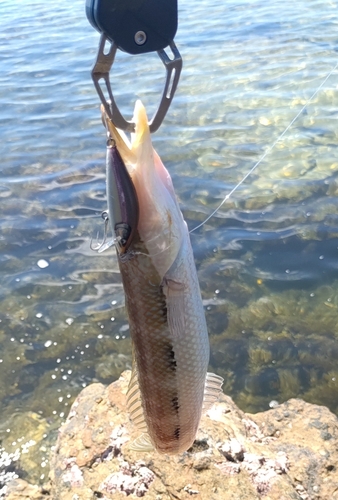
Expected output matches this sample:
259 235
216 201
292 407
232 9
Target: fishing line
269 149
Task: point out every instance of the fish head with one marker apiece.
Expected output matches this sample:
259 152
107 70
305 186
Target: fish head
160 226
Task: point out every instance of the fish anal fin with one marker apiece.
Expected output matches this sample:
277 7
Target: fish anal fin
134 402
175 301
142 443
212 390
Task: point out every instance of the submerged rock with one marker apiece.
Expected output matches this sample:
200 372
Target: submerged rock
289 452
21 490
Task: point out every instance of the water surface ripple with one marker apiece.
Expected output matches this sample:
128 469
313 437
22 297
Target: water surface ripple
267 261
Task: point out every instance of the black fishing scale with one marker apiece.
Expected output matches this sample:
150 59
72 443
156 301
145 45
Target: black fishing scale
136 26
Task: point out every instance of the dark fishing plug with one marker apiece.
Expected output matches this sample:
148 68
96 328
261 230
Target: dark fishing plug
123 207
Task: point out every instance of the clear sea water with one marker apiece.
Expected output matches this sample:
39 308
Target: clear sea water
267 261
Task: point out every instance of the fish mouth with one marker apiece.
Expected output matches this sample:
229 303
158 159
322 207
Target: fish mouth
161 227
128 148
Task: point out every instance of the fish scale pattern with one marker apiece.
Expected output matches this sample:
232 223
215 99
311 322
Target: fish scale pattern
191 345
170 365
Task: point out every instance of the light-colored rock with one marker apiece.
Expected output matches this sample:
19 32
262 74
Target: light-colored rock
288 452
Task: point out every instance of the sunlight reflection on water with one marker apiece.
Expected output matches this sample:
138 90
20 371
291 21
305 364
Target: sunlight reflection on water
270 252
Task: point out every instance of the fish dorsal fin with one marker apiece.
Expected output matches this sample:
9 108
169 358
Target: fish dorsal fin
175 302
134 402
212 390
142 443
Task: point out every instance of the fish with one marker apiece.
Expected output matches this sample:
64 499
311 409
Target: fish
170 387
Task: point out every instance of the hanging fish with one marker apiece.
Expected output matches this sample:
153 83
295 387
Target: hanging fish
169 387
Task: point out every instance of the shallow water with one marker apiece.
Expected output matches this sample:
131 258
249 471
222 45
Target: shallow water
267 261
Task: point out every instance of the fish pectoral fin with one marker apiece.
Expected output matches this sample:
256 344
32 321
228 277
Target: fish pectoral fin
174 292
212 390
134 402
142 443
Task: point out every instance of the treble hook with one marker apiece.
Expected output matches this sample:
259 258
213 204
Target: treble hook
101 247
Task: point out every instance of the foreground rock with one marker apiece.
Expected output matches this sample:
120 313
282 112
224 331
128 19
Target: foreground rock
289 452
